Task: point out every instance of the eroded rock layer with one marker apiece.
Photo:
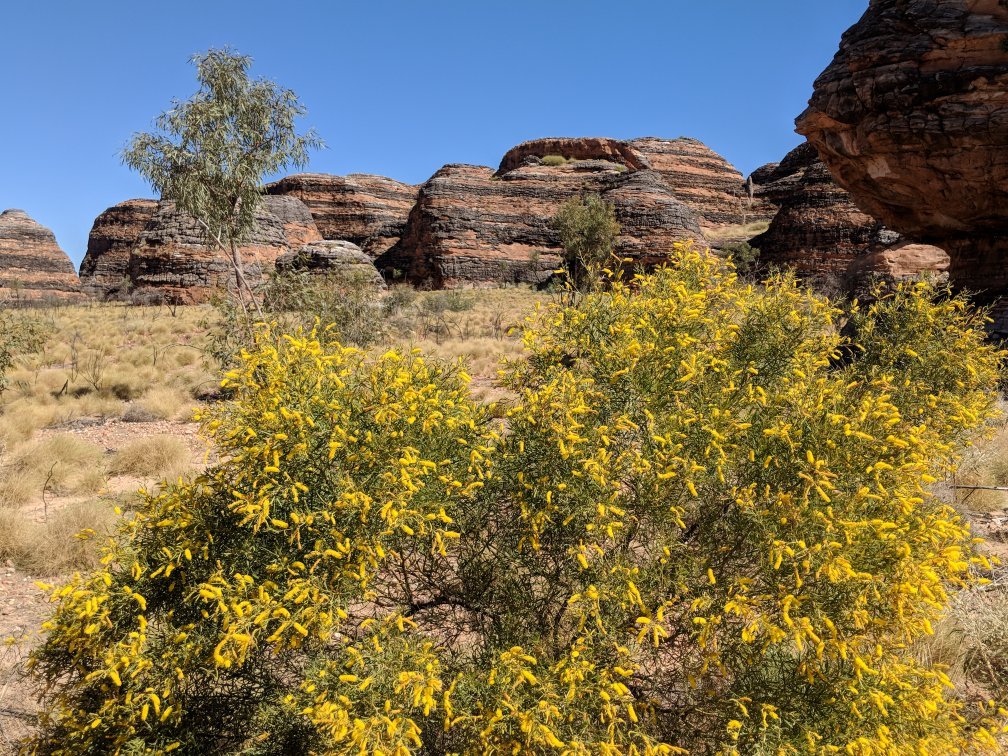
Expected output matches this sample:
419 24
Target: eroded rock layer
298 224
105 267
33 268
702 179
912 118
474 225
370 211
574 148
172 262
148 250
821 234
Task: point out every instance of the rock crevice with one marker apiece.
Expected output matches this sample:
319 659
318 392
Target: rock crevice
820 233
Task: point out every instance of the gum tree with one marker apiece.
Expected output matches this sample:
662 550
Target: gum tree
211 152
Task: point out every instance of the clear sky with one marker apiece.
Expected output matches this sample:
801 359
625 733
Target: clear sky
401 87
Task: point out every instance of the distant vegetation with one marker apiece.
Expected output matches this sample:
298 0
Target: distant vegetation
211 152
588 231
555 160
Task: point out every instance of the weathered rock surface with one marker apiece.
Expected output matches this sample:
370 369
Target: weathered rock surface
912 118
341 259
33 268
574 148
821 234
775 184
702 179
104 269
298 224
466 225
474 225
171 261
150 250
370 211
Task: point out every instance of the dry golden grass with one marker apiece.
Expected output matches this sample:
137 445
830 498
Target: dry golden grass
741 232
20 421
55 546
160 457
106 361
485 326
971 642
986 464
59 465
99 358
166 403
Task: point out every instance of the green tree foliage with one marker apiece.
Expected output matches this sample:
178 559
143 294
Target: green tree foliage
695 529
588 231
211 152
744 257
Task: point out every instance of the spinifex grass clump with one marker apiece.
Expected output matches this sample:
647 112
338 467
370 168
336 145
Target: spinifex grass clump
704 524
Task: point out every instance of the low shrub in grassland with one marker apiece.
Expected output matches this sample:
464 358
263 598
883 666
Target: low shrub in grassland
705 524
60 464
161 457
67 540
166 403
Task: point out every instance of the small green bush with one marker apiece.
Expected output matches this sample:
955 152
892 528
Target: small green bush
449 300
19 334
399 299
346 308
555 160
588 232
744 256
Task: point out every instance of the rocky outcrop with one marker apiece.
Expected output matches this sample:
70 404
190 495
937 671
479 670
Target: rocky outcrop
466 225
574 148
702 179
912 118
298 224
775 184
821 234
148 250
370 211
172 262
651 216
33 268
342 260
104 269
474 225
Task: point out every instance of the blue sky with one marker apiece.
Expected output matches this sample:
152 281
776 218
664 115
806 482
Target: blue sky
401 87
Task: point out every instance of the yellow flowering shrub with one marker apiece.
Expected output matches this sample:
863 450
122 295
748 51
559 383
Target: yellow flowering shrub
703 525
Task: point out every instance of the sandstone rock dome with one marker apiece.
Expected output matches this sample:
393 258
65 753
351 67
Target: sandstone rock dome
33 268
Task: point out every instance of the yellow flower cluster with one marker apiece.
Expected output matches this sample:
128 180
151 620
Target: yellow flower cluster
704 524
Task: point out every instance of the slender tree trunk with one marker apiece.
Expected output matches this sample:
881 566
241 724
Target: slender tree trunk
237 262
241 281
235 259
